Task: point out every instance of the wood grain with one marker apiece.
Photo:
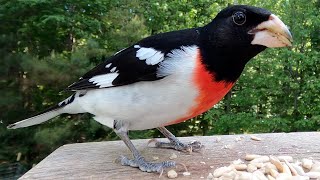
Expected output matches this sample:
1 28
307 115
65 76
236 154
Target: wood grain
96 160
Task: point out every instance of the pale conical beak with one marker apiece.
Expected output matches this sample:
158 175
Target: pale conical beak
272 33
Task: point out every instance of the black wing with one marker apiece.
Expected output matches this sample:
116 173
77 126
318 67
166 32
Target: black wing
138 62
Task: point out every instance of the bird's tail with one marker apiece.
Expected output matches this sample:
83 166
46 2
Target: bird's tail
37 119
62 107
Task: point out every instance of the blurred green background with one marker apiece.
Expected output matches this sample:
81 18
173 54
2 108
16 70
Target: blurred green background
45 45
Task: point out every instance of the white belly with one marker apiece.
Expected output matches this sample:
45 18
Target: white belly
150 104
144 105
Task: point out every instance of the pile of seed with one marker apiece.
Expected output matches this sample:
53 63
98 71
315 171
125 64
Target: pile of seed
259 167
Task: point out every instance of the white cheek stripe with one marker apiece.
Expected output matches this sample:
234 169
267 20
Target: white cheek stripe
104 80
150 55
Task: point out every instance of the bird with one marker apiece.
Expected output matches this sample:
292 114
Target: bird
170 77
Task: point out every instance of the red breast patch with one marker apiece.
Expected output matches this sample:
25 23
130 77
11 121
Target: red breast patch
210 92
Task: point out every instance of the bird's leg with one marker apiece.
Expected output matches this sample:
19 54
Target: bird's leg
175 143
138 160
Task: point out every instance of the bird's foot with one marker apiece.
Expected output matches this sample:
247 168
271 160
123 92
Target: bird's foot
145 166
194 146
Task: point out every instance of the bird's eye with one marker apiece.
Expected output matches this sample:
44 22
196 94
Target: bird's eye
239 18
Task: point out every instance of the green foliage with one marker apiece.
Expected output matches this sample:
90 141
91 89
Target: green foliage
46 45
168 15
41 26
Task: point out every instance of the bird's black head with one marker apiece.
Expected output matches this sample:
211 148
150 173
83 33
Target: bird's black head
242 25
237 34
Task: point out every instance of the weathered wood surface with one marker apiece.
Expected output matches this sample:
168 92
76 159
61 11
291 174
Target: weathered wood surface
97 160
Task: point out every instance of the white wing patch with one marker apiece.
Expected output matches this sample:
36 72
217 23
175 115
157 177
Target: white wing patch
108 65
150 55
113 69
175 61
104 80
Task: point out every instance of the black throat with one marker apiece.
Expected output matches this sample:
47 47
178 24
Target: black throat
226 62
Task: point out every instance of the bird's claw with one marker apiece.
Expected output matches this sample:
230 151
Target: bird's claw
145 166
194 146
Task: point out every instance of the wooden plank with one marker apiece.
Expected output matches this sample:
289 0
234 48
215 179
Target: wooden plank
96 160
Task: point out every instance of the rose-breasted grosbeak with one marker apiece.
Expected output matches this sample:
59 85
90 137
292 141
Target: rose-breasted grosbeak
171 77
